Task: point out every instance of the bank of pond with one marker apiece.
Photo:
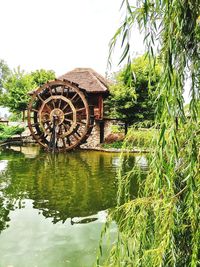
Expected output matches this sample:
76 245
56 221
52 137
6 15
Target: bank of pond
53 206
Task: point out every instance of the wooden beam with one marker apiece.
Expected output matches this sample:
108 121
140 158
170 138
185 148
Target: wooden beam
101 128
100 106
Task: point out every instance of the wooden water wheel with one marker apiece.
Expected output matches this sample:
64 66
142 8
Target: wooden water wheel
59 116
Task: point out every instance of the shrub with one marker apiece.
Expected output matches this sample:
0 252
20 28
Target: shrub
7 132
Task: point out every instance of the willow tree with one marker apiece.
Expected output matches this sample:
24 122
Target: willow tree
161 227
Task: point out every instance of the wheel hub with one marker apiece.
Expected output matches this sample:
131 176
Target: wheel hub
57 115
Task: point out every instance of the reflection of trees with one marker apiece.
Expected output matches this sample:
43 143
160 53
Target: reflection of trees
133 172
73 184
6 204
4 212
63 185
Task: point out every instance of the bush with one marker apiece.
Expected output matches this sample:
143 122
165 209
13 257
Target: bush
15 117
117 129
116 144
7 132
139 138
113 137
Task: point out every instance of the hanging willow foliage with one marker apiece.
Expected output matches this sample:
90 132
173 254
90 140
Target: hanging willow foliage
161 227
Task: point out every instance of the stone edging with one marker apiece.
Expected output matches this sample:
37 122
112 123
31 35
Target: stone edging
116 150
27 139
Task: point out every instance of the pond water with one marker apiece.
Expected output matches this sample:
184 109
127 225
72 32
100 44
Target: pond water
53 207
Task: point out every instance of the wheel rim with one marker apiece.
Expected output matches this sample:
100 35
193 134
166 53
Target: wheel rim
59 116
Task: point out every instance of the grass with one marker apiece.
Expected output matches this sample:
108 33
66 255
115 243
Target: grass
142 138
115 144
139 138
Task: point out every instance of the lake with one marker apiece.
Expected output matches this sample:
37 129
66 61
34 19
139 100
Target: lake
53 206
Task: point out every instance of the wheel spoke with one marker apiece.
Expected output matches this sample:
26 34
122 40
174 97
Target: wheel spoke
76 132
68 141
60 116
45 113
40 98
53 104
68 123
35 110
66 128
68 113
74 96
48 107
68 120
35 124
63 89
59 104
65 106
74 135
55 90
81 122
67 92
80 109
50 90
39 136
49 127
64 143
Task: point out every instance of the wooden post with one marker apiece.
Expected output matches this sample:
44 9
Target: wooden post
125 127
100 106
23 115
101 127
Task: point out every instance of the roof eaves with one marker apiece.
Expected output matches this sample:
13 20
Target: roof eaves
101 84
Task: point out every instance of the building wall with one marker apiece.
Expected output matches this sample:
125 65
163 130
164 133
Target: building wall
94 138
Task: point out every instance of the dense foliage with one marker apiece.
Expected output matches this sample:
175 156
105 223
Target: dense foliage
161 226
42 76
135 139
7 132
4 73
17 86
134 99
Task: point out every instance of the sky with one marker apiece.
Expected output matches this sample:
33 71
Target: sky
61 35
58 34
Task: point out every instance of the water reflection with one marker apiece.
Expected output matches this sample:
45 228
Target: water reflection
40 192
3 165
142 162
62 186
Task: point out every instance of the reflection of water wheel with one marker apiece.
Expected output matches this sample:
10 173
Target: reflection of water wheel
59 116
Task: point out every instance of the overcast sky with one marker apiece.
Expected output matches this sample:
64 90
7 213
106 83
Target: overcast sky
58 34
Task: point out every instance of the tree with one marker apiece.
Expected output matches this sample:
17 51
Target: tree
19 83
134 101
4 73
161 226
17 87
42 76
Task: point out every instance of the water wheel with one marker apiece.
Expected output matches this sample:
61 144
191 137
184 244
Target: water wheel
59 116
